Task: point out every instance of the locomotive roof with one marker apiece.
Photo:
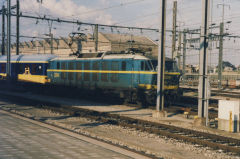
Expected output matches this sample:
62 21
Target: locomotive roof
112 56
28 58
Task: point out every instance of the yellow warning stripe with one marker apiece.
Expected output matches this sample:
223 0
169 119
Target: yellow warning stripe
3 74
149 86
33 78
108 71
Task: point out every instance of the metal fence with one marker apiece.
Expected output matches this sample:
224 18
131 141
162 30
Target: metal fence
227 80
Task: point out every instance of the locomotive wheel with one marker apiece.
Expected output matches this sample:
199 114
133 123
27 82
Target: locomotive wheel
127 98
136 97
142 103
151 97
141 99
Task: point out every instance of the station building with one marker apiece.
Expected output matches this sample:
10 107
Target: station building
64 46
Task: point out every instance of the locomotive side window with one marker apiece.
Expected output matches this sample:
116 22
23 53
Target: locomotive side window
79 68
70 67
63 67
104 76
95 75
86 74
124 65
58 65
115 67
142 65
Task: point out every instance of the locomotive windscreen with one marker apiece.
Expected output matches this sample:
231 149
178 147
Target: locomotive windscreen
170 66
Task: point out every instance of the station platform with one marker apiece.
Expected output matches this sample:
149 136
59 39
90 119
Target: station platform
25 139
175 119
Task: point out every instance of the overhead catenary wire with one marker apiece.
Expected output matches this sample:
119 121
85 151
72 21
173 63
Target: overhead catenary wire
110 7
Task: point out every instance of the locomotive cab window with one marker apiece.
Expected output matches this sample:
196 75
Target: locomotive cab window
146 66
171 66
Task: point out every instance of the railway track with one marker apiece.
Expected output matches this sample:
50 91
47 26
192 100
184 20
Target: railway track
229 94
191 136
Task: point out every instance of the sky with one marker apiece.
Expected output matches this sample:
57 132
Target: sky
139 13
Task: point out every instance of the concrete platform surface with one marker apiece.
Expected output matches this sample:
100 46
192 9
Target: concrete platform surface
23 139
174 119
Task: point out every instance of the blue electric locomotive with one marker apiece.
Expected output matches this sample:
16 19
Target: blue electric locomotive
132 76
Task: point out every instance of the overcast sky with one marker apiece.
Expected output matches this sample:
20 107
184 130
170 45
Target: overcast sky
140 13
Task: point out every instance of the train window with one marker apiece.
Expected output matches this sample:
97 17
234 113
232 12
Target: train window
115 67
21 68
86 76
34 69
154 64
3 68
79 68
87 66
171 66
124 65
71 65
105 65
95 75
142 65
27 68
104 76
58 65
145 66
63 67
39 69
79 65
